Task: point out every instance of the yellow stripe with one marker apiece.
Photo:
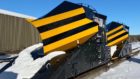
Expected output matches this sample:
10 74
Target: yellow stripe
29 20
74 44
119 40
58 17
70 39
114 30
64 28
115 35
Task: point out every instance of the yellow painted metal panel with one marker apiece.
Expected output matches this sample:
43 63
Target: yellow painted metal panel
117 41
58 17
64 28
70 39
71 45
114 30
84 39
115 35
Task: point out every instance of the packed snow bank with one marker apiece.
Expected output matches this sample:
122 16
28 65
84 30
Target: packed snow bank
25 67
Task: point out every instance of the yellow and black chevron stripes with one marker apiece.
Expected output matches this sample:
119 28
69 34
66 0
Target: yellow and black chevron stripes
70 39
114 30
65 30
58 17
118 40
116 36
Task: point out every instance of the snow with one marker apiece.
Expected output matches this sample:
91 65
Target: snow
3 64
135 45
129 69
25 66
112 50
6 12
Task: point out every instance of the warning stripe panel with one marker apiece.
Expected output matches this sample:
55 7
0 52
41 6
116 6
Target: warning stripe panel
116 34
114 30
71 45
60 23
64 28
61 31
68 33
119 40
119 36
58 17
70 39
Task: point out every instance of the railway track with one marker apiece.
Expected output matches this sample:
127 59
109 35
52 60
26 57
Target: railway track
91 74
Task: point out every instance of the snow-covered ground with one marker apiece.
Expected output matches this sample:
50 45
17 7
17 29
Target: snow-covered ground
136 46
129 69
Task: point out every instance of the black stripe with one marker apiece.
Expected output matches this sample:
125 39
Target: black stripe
68 33
117 37
63 7
112 25
60 23
115 32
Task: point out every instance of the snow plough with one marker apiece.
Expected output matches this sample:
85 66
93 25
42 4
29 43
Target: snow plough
82 33
117 35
